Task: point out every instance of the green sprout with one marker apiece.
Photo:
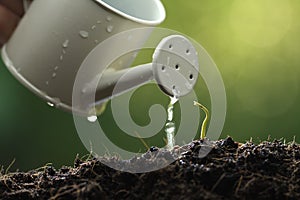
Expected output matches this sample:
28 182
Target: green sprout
205 121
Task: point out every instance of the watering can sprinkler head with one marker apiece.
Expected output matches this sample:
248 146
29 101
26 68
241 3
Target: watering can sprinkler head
175 66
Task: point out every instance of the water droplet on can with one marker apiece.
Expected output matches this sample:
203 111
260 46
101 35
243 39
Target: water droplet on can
84 34
56 68
176 92
50 104
96 41
47 82
93 27
108 18
168 60
99 22
83 91
188 86
135 54
54 75
109 28
61 57
65 44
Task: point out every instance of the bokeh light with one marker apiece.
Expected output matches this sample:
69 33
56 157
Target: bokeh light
261 23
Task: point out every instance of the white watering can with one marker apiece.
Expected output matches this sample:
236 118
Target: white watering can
55 36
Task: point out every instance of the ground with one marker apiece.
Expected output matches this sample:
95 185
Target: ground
269 170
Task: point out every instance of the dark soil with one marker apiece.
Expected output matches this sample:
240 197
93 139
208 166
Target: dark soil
269 170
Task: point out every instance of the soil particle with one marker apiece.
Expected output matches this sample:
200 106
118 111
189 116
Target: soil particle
230 170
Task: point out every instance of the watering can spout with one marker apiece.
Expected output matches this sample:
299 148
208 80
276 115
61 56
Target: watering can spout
113 83
174 68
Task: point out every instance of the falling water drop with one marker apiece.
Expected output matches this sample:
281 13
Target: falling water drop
170 125
84 34
170 130
92 118
65 44
109 28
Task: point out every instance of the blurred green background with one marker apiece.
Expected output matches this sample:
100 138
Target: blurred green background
256 46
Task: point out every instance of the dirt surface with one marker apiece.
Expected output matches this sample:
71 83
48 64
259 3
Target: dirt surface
269 170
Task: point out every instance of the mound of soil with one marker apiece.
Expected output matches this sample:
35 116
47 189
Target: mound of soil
269 170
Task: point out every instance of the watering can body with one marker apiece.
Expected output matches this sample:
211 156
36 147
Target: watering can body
55 36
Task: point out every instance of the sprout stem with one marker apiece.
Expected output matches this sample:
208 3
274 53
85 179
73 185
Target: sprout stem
205 121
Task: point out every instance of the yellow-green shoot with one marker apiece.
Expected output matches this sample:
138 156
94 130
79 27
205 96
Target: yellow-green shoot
205 121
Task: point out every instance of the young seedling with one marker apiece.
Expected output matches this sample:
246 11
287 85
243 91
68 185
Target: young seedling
205 121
